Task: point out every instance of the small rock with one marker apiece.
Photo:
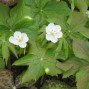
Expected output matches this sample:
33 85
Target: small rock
6 79
9 2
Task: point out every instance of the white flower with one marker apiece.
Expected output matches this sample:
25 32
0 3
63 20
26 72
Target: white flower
19 39
87 13
53 32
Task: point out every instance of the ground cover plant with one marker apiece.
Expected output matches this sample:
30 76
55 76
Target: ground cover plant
44 40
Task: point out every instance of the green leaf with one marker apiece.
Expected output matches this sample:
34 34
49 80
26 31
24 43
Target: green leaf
4 29
80 49
87 24
18 13
64 52
4 14
59 20
69 67
55 8
76 20
40 62
72 4
81 5
2 63
50 45
84 31
31 32
12 48
25 60
77 24
65 48
64 66
25 23
5 52
36 3
59 47
87 1
82 78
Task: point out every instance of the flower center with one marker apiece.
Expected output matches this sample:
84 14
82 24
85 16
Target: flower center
20 39
53 33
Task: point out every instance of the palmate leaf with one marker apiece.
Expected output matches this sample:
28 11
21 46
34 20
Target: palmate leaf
82 78
56 8
40 62
37 9
40 9
36 3
69 67
78 24
81 49
48 7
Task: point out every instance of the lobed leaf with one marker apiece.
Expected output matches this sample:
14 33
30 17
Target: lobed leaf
80 49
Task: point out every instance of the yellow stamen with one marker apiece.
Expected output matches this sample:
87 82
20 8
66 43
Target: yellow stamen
20 39
53 33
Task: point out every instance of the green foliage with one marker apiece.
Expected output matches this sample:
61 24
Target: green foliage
2 63
80 49
4 14
69 67
82 78
54 8
32 18
82 5
40 62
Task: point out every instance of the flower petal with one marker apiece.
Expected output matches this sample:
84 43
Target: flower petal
25 38
49 27
22 45
13 40
53 39
17 33
59 35
57 28
48 37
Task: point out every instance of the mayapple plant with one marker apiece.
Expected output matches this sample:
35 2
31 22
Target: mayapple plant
56 34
